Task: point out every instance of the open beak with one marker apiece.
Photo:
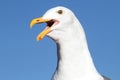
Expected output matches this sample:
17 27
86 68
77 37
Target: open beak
45 31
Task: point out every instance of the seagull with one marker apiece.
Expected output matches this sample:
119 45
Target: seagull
74 59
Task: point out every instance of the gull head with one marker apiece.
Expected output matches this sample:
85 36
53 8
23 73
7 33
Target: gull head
59 21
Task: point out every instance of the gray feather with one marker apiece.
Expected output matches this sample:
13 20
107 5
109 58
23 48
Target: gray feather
106 78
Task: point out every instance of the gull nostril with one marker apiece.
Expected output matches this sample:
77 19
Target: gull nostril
37 20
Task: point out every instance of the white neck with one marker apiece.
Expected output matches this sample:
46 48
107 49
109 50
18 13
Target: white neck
74 59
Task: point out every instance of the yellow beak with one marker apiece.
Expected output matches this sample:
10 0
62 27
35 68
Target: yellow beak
45 31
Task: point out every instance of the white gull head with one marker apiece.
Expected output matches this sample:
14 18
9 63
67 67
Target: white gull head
65 22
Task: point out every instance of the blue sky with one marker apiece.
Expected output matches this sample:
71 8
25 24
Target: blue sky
23 58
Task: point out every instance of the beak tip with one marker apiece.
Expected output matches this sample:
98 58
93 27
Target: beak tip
39 38
31 25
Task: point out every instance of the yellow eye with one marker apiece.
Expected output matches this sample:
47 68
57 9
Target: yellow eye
59 11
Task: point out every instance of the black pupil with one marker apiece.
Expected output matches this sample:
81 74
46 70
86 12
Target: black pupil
60 11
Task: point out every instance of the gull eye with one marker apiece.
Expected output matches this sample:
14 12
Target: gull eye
59 11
